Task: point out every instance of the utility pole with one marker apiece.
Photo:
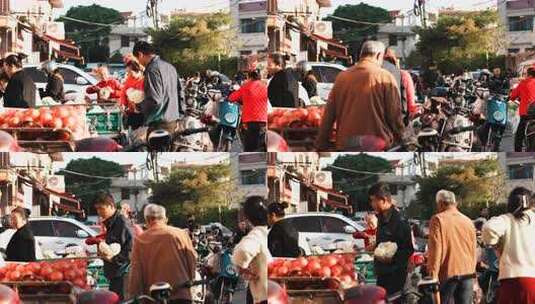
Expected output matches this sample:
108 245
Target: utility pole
152 12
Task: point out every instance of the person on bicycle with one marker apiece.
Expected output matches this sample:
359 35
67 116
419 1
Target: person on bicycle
512 234
251 255
525 92
162 254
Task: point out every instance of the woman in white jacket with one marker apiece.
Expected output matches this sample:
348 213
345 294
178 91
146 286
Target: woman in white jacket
251 256
513 234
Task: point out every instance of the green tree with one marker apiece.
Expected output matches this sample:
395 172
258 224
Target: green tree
475 184
195 42
91 38
356 185
196 190
353 34
461 40
86 188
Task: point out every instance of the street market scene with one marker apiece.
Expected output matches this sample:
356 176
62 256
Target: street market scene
400 227
98 228
427 76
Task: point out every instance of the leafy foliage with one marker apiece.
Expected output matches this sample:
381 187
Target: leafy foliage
195 190
354 34
193 42
356 185
475 184
459 39
86 188
91 38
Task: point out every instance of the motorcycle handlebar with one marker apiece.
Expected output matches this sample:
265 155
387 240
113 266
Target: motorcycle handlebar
458 130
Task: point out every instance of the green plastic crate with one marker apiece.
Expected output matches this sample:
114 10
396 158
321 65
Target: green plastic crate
105 120
97 272
367 270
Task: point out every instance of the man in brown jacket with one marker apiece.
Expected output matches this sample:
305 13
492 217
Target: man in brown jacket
452 250
365 105
162 254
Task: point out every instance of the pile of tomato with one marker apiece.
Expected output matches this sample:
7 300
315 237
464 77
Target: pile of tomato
338 266
74 271
295 118
71 118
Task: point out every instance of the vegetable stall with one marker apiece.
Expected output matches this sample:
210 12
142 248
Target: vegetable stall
298 126
55 128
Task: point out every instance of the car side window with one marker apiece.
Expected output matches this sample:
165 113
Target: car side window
69 77
332 225
328 74
65 229
41 228
306 224
37 76
317 73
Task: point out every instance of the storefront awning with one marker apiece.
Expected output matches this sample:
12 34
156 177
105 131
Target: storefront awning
330 41
68 208
335 54
337 205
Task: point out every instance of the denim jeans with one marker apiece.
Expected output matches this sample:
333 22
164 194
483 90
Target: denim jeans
457 291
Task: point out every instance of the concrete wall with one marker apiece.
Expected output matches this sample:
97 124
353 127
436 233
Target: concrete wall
516 40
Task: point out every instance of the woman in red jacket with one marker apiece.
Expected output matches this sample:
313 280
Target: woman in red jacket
253 96
132 93
107 88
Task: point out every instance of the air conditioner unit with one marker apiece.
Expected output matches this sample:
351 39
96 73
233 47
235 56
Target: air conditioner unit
323 28
323 178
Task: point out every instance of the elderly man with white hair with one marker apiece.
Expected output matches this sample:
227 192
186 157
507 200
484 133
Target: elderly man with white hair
162 254
365 104
452 250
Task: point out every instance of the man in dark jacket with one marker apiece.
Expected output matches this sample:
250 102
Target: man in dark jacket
21 247
119 231
283 87
392 228
162 89
20 91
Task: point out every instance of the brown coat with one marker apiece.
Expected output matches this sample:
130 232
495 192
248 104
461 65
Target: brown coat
162 254
452 245
364 101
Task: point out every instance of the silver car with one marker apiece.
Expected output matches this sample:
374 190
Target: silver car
326 74
54 234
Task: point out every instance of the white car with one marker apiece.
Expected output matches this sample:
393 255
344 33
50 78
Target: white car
328 231
326 75
76 81
54 234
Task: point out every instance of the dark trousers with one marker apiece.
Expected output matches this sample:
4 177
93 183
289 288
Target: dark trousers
520 133
180 301
392 282
117 286
457 291
254 137
134 120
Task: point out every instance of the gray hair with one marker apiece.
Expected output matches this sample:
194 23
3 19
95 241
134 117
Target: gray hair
154 212
372 48
446 197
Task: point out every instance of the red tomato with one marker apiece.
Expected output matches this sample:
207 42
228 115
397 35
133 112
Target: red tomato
13 275
56 276
295 266
325 272
303 261
300 114
14 122
56 123
33 113
336 270
329 261
348 268
46 270
349 259
62 112
45 118
4 126
282 271
70 123
313 267
346 281
70 275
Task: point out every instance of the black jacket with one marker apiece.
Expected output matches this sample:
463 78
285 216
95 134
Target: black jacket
281 90
20 91
118 231
392 227
21 247
283 240
54 88
311 86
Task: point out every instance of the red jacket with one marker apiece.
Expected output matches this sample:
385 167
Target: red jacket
525 91
113 84
410 93
131 83
368 235
253 95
